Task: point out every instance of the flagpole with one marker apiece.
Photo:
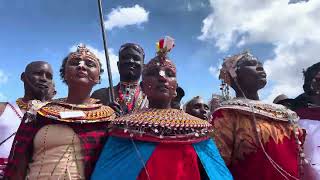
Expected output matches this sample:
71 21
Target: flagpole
111 93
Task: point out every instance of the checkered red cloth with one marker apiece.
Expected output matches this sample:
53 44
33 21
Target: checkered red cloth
92 137
3 163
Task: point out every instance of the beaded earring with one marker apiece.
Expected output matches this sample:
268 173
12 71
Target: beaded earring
224 88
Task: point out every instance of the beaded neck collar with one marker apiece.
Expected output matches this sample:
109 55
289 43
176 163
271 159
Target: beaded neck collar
273 111
22 105
161 125
93 112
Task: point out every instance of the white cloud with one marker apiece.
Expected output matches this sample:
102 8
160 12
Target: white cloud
292 29
3 77
100 54
125 16
215 70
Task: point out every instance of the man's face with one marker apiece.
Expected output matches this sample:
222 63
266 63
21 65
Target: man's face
130 64
198 108
38 79
315 83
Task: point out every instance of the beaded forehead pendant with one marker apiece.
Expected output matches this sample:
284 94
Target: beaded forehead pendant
83 52
164 46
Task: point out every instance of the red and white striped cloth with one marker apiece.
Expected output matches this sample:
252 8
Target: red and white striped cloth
3 163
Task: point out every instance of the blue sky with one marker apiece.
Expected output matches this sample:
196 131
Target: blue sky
205 32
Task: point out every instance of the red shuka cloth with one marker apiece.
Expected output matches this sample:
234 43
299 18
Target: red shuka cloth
170 161
257 166
249 162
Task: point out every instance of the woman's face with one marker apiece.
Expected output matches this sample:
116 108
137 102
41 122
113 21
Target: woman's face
251 74
159 84
84 72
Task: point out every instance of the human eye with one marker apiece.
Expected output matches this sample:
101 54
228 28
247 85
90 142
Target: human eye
90 63
170 73
197 106
152 72
49 75
74 62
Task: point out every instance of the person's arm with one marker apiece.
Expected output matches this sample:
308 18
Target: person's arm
21 152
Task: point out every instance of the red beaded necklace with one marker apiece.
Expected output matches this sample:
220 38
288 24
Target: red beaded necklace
128 103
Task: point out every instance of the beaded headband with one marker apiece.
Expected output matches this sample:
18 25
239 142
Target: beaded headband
164 46
83 52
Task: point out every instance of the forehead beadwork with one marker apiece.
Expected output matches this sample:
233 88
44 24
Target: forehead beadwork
246 56
83 52
156 62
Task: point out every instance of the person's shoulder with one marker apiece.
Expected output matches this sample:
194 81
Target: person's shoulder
102 92
244 108
2 107
227 113
300 101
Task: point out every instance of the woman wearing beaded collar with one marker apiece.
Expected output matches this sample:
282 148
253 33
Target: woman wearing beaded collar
252 136
62 139
160 142
307 106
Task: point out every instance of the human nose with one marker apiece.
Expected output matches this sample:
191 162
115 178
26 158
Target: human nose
202 109
81 65
260 68
43 77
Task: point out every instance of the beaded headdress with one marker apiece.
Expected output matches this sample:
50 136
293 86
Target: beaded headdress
231 64
83 52
164 46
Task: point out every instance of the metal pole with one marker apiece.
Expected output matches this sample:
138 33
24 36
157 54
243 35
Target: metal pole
111 93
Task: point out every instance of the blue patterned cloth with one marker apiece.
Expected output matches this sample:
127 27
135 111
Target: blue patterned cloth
122 159
211 160
125 158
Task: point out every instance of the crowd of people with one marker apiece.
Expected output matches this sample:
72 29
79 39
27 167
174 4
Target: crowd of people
146 133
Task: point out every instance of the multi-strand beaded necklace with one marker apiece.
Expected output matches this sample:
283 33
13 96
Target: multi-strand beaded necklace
128 95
